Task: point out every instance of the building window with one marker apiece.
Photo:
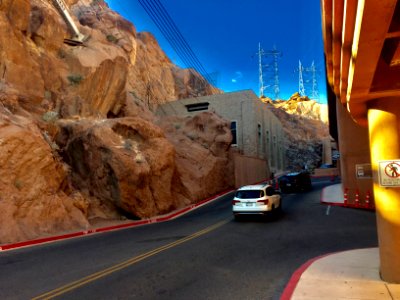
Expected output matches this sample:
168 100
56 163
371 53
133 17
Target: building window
259 131
234 132
197 106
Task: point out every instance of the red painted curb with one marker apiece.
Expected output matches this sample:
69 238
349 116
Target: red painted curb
292 284
110 228
348 205
39 241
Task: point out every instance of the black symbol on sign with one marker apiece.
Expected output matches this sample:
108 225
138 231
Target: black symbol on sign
392 170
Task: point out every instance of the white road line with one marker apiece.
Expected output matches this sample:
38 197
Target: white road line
328 209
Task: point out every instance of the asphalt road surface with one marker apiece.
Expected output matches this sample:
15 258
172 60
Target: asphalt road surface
204 254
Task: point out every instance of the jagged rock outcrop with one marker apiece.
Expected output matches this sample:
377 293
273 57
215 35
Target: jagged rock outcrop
33 200
303 106
78 139
305 124
127 162
202 156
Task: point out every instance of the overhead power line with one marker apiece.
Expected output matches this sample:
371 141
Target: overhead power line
166 30
170 31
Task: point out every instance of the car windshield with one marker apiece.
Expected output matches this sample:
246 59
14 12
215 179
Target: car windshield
248 194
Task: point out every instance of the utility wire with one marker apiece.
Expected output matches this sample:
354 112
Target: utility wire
167 34
170 31
174 40
178 33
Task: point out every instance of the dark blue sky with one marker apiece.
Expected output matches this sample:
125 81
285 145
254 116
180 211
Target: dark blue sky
224 35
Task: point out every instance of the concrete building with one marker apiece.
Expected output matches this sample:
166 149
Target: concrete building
257 132
362 50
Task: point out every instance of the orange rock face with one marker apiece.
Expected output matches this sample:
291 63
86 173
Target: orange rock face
127 162
78 139
305 125
131 162
202 153
32 200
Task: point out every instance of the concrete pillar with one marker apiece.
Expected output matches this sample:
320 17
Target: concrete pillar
354 149
384 125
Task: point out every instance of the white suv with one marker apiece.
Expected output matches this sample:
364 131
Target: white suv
256 199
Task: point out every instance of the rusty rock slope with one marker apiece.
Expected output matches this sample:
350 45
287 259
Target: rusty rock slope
79 142
305 124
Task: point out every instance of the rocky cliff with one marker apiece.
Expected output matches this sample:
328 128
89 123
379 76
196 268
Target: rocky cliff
78 140
305 123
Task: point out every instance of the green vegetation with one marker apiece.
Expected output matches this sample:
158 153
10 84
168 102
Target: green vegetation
128 144
75 79
18 184
192 136
111 38
47 95
61 54
50 116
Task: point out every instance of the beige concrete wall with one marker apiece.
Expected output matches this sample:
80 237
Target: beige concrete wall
248 112
354 149
249 170
272 137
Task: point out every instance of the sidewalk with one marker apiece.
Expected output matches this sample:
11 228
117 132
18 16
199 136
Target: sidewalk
352 274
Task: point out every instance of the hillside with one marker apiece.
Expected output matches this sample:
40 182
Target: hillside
79 144
305 123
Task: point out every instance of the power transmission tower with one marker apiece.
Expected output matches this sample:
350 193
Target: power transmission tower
308 81
302 91
260 70
314 88
273 70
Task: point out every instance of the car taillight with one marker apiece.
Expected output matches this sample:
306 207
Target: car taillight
265 202
235 201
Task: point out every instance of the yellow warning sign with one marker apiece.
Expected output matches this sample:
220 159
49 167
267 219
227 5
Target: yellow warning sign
389 173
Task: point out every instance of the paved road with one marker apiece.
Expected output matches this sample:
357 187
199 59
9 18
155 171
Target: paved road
202 255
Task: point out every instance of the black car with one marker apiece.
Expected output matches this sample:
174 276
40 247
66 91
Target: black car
295 182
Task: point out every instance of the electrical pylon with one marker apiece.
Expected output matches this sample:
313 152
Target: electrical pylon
260 71
302 91
275 54
272 68
314 88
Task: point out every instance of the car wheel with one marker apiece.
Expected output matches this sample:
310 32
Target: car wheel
237 218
